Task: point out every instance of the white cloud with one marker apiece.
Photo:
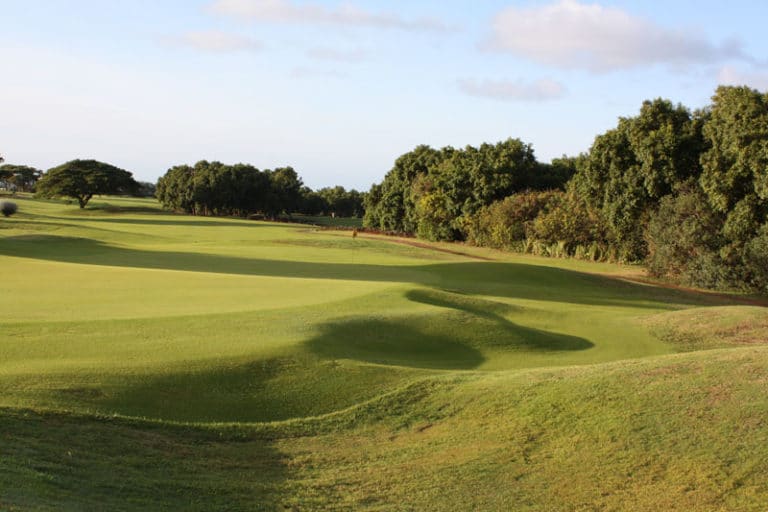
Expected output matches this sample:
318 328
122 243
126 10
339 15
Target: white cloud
729 75
324 53
215 41
540 90
570 34
289 11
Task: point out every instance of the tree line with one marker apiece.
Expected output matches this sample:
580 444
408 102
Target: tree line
207 188
432 193
214 188
685 192
20 178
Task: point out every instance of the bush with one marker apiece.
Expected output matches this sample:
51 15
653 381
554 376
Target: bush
756 260
8 208
684 239
506 224
570 223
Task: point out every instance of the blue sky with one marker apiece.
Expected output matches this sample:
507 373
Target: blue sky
340 89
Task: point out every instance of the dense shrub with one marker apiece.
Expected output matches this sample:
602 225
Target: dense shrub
507 223
574 227
683 241
756 260
8 208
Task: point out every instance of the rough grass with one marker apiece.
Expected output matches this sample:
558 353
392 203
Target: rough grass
155 361
715 327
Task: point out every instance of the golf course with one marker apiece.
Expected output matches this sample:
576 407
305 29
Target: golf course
155 361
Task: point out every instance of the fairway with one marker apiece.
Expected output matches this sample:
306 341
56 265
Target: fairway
159 361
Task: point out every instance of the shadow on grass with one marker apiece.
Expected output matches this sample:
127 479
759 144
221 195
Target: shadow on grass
183 220
33 224
181 223
111 208
451 339
62 462
410 342
483 278
504 334
324 376
264 390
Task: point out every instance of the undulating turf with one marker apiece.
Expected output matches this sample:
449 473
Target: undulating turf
158 361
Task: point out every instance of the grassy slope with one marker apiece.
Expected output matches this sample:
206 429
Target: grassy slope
411 375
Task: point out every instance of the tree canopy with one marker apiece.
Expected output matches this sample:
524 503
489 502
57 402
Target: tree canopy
432 192
23 177
82 179
214 188
630 168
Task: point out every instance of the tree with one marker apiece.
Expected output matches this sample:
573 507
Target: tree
372 206
341 202
23 177
312 203
433 192
735 167
285 185
756 260
146 189
174 189
214 188
391 204
5 177
82 179
630 168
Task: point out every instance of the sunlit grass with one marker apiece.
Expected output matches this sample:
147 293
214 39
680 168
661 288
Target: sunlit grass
273 365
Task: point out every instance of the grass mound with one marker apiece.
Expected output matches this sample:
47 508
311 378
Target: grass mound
683 432
714 327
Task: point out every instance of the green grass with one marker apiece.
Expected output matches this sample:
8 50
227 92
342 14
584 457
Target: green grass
157 361
715 327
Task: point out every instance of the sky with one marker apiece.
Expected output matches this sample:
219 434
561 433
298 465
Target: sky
340 89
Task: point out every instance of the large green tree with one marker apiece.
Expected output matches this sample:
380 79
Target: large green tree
735 167
214 188
630 168
735 179
285 185
82 179
391 206
174 189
